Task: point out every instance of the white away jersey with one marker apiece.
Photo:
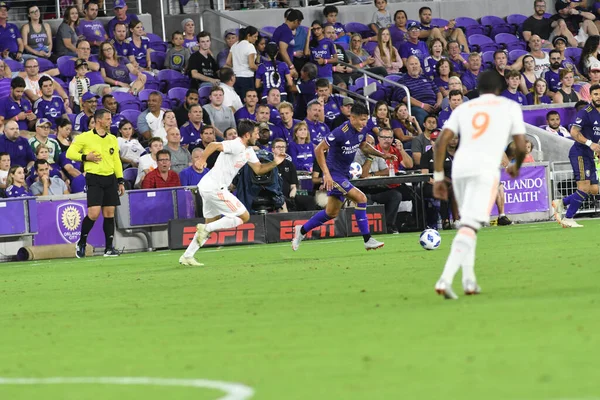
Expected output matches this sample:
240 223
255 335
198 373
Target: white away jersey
484 126
234 156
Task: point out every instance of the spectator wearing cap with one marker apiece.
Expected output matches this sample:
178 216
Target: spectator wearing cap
284 37
88 108
230 97
79 85
264 137
538 24
15 107
425 96
203 67
413 46
162 176
11 44
584 92
221 116
42 132
121 16
344 114
47 185
91 28
578 22
119 40
315 117
49 106
36 34
190 40
231 38
66 36
16 146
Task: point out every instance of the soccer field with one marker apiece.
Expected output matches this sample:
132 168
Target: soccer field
330 321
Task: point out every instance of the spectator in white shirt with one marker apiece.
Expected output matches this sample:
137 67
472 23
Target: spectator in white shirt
242 58
148 162
553 121
130 149
230 97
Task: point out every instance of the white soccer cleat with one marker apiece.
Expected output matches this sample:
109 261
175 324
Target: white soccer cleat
445 289
470 287
298 236
201 234
373 244
189 261
559 209
570 223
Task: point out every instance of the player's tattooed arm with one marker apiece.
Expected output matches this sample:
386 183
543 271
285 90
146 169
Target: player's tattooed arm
372 151
578 137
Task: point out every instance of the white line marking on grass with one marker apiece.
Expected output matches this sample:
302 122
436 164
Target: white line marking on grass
234 391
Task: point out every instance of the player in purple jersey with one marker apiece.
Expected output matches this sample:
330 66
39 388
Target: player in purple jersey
341 146
586 133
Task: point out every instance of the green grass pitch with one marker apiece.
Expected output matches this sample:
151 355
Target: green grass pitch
330 321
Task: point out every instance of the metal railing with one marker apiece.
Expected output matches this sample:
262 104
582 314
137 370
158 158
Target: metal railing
227 17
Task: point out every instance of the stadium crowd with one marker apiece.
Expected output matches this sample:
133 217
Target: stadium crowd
168 101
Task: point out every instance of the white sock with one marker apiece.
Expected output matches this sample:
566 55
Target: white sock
462 244
468 265
224 223
192 248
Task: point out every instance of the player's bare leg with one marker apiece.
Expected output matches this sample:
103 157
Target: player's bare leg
360 211
574 202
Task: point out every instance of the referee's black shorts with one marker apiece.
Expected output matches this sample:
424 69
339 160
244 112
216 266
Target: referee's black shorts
102 190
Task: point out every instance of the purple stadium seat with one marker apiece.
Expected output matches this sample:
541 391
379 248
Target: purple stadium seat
72 118
516 21
169 79
370 47
268 29
151 81
392 77
574 53
495 25
360 82
487 59
95 78
62 84
203 94
509 41
44 64
343 44
439 22
166 104
482 43
157 59
357 27
470 26
130 175
515 54
14 66
156 42
177 96
131 116
547 15
66 66
127 101
143 97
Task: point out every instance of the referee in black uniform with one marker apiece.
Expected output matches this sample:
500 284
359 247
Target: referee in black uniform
98 149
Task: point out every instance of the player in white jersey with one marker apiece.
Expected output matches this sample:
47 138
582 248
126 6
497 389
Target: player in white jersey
221 209
484 125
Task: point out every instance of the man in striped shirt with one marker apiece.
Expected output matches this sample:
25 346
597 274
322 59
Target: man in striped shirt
425 97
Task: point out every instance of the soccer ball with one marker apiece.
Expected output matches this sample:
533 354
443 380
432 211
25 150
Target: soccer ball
355 170
430 239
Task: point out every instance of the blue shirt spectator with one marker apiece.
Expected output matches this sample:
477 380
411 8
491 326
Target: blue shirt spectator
16 146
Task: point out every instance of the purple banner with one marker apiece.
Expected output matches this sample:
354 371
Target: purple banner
527 193
13 217
59 222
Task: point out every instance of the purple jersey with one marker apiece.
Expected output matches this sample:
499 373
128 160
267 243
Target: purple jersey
81 122
588 120
343 143
8 38
318 130
398 36
324 49
553 81
458 66
190 43
419 49
9 108
429 64
469 80
243 113
444 116
333 108
52 109
114 125
121 47
284 34
543 100
110 27
265 73
303 155
339 28
274 116
139 52
440 83
285 133
93 31
20 151
16 191
190 177
517 97
190 135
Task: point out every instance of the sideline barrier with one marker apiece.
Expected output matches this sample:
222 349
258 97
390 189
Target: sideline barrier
276 227
16 217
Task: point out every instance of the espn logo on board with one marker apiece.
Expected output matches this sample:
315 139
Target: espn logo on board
244 233
286 229
376 224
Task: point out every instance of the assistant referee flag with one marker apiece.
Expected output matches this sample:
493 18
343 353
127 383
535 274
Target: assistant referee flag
106 146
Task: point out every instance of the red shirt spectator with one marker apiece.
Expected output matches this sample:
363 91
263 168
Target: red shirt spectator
161 177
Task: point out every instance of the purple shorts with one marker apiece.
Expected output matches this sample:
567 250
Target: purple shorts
341 186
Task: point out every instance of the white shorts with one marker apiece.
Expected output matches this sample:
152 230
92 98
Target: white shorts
221 202
475 196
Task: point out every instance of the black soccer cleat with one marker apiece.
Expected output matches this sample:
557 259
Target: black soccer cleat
79 249
111 252
504 221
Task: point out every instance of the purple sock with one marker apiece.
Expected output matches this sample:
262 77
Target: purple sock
567 200
575 202
317 220
360 212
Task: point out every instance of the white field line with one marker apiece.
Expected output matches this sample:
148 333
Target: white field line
234 391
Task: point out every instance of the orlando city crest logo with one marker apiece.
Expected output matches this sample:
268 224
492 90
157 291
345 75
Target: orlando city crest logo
68 219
